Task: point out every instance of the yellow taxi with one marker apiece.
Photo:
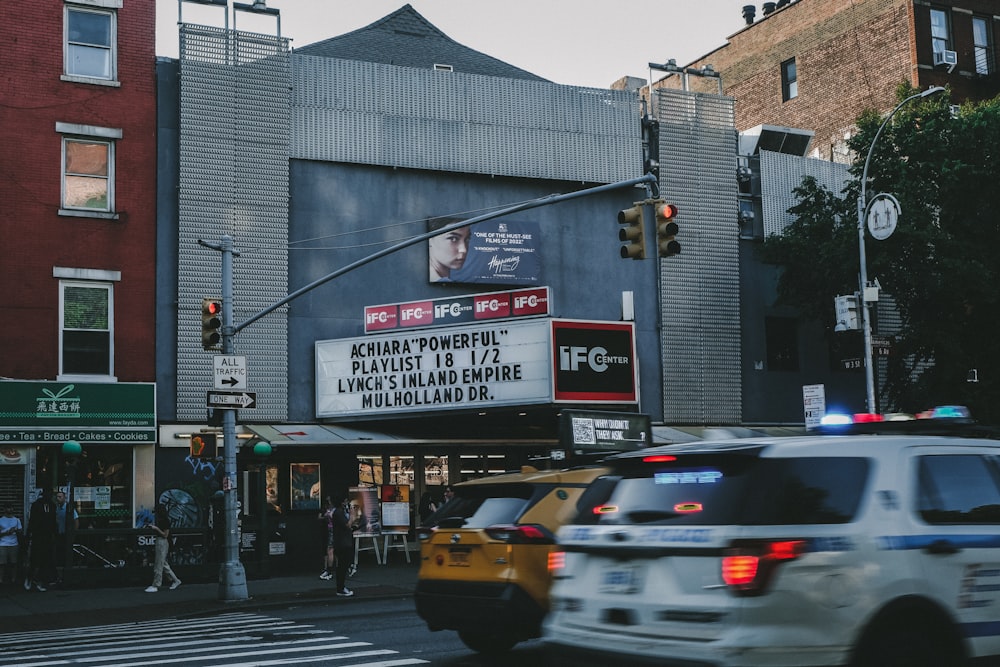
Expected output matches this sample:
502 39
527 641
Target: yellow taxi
484 568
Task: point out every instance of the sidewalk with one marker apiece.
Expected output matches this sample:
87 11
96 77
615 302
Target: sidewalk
22 610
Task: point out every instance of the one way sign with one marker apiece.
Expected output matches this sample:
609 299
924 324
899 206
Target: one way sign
230 372
231 399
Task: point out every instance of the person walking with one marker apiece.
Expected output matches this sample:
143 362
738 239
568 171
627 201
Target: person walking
10 530
343 544
328 558
41 537
160 566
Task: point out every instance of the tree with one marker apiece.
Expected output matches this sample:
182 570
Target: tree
940 265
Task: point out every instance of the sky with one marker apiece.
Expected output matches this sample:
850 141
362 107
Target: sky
574 42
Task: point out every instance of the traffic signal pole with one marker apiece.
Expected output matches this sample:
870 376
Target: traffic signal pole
232 576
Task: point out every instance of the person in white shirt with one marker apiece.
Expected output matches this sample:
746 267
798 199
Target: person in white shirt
10 529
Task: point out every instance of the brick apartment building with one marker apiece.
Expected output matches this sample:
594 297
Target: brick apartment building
78 174
817 64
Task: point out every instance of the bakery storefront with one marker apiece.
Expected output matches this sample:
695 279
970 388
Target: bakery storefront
93 441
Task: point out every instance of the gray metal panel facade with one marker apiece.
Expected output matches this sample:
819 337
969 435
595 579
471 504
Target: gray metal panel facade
234 137
699 288
371 113
781 173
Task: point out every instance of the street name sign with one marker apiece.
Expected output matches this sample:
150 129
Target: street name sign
230 372
232 399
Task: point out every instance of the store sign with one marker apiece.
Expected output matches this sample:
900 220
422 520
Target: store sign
595 362
588 431
458 310
91 413
512 363
465 366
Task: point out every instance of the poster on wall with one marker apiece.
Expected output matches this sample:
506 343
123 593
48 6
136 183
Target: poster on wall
365 512
502 252
305 486
395 508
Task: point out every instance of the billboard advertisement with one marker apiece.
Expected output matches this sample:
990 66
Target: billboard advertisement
492 252
595 362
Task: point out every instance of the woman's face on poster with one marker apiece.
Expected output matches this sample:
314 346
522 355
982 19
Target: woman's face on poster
448 251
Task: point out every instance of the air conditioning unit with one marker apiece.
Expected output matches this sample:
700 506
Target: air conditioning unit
945 57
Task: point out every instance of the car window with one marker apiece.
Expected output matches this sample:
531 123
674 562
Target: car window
958 489
479 506
729 489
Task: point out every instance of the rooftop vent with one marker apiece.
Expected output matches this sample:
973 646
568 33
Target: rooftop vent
749 11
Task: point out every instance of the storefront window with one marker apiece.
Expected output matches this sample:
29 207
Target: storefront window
102 483
370 470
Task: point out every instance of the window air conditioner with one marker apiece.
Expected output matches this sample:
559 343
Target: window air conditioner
945 58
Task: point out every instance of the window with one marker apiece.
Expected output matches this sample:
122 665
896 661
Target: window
789 80
88 170
982 45
87 174
940 31
959 489
782 343
90 50
86 316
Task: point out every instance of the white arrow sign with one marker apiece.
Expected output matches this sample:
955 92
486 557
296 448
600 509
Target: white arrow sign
230 372
234 399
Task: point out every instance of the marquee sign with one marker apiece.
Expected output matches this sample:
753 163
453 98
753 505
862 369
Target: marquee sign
491 364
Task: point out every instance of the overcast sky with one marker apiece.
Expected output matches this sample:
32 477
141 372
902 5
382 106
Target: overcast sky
576 42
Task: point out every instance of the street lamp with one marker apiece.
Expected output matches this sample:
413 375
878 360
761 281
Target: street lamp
863 278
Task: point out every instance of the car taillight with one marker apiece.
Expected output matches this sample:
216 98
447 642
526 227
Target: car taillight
749 566
557 561
424 534
524 534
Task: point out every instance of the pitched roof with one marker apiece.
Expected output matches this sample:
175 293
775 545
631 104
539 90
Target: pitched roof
407 39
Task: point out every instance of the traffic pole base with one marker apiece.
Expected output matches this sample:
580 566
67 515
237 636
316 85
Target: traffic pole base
233 582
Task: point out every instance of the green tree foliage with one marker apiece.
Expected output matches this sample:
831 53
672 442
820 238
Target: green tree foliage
941 264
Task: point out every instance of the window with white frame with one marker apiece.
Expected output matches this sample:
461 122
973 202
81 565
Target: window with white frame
91 42
982 45
88 169
86 318
940 31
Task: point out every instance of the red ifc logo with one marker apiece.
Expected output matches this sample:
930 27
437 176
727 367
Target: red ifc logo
491 306
530 302
416 314
380 317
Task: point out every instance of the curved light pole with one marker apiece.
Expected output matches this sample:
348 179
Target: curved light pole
863 277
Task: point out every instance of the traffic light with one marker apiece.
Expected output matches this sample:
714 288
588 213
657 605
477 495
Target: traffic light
634 234
203 445
211 323
666 229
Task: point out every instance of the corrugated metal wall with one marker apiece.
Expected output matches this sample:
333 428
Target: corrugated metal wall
234 138
370 113
700 291
781 173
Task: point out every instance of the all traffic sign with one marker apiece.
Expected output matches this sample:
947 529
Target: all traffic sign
232 399
230 371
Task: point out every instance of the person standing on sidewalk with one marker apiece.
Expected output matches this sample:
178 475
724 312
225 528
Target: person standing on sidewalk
343 544
41 535
328 558
160 565
10 530
61 546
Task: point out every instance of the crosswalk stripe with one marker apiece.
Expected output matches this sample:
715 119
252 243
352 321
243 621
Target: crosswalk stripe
220 641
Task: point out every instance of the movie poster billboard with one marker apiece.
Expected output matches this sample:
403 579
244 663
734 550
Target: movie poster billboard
499 252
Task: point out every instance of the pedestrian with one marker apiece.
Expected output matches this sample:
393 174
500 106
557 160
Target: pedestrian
41 538
449 493
161 528
343 544
328 558
10 531
427 506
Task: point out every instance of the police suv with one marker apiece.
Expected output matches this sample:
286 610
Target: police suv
869 550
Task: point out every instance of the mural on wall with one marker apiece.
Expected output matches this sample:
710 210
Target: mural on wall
188 484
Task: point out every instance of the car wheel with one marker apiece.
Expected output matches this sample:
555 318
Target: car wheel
484 642
904 645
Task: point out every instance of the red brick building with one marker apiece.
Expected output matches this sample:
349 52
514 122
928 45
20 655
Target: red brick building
817 64
78 180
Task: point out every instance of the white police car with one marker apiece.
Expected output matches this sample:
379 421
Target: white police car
818 550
